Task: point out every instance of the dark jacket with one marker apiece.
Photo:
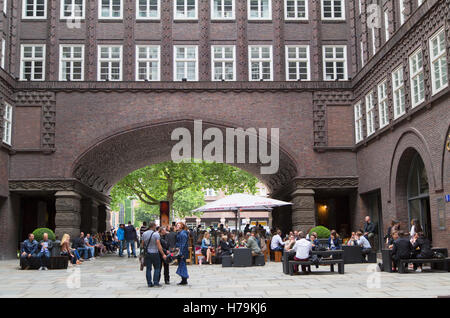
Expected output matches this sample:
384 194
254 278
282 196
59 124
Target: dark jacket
29 247
171 238
78 242
143 229
130 233
402 248
370 227
424 247
337 244
164 244
225 248
50 245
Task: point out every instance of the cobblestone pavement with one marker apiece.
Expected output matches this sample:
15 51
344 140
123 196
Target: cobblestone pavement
111 276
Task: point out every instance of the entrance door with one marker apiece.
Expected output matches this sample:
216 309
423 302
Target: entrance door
375 213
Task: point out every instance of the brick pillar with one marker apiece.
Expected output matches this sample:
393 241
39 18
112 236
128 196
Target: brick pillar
67 218
94 217
303 209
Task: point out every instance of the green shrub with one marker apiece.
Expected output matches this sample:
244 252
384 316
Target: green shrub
322 232
39 234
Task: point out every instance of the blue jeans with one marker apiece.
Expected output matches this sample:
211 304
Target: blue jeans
83 251
278 248
44 257
133 248
154 260
92 249
121 247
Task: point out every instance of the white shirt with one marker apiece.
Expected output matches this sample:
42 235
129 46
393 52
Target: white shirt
276 242
364 242
302 248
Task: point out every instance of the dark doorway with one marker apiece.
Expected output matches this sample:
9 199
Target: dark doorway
333 211
374 208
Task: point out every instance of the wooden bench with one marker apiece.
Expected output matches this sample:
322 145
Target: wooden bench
328 261
403 263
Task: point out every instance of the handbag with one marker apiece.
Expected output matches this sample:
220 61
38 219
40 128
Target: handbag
144 252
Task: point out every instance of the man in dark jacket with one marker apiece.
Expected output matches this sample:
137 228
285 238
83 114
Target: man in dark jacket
172 239
421 249
130 238
166 248
402 249
80 246
370 230
29 249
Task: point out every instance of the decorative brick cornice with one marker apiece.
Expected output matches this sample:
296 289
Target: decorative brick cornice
326 182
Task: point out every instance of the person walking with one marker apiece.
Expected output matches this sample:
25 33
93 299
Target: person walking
151 243
182 245
130 238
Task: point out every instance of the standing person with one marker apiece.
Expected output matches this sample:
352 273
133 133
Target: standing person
29 249
121 238
130 238
172 239
166 249
151 242
44 254
182 245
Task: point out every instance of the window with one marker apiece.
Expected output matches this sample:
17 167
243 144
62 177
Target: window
71 63
439 73
374 41
383 109
260 62
3 54
296 9
417 78
386 25
110 9
402 11
186 63
335 62
259 9
370 114
210 193
223 63
32 62
360 6
34 9
222 9
361 45
109 63
333 10
358 123
7 124
398 87
5 6
72 9
297 63
419 2
185 9
147 63
147 9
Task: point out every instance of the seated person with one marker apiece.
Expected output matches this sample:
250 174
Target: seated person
28 251
421 249
79 245
252 243
401 249
277 243
89 246
207 247
364 243
333 241
394 236
289 244
44 251
314 241
225 247
231 240
353 240
302 249
72 254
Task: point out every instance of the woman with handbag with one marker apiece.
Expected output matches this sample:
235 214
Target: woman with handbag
182 245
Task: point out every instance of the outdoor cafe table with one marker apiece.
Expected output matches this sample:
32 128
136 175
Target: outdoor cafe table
242 257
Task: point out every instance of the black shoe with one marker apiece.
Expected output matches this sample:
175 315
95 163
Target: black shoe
167 282
129 256
158 285
135 256
183 282
151 285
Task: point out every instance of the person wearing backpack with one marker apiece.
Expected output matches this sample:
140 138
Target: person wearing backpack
151 242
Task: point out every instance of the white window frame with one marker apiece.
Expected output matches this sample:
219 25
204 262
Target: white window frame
61 60
415 72
72 15
34 17
7 124
110 60
5 6
3 54
398 89
223 60
358 119
147 60
334 60
147 17
370 114
259 17
361 45
333 18
402 8
233 11
297 60
420 2
386 25
374 41
110 17
383 106
441 58
296 18
185 59
32 59
259 60
184 17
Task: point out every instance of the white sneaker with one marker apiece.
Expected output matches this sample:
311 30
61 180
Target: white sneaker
41 268
45 269
419 270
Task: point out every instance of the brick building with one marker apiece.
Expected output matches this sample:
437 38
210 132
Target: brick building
91 90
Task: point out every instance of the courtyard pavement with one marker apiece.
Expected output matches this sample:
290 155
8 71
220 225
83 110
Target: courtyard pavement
111 276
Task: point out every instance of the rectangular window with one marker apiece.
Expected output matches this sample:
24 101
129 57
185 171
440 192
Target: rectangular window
147 9
370 114
3 54
333 10
260 62
32 62
186 63
361 45
148 63
223 63
72 9
296 9
358 123
7 124
374 42
259 9
5 6
297 63
109 63
71 63
439 72
335 63
34 9
222 9
417 78
386 25
110 9
185 9
402 11
398 87
383 109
